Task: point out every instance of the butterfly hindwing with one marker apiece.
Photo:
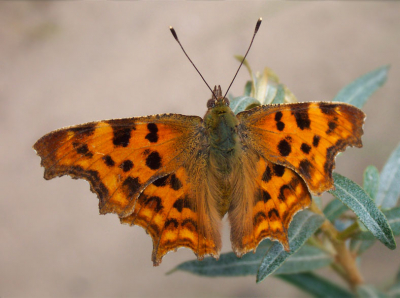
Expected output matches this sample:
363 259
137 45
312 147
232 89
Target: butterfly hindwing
139 169
279 193
304 137
171 211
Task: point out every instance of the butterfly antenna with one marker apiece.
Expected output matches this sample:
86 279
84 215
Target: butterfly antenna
241 63
176 38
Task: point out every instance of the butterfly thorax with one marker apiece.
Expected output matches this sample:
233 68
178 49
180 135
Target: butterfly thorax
221 129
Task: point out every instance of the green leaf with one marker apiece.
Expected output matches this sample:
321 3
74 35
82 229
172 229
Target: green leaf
357 92
228 264
354 197
304 224
371 181
280 95
253 77
247 88
315 285
389 186
334 209
241 103
307 258
369 291
393 218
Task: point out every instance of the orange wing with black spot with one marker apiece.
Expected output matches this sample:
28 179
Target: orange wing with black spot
304 137
294 146
142 169
278 193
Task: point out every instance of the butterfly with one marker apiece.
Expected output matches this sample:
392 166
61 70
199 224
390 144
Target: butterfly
177 176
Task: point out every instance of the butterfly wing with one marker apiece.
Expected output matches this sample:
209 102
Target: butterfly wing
148 170
274 194
304 137
290 149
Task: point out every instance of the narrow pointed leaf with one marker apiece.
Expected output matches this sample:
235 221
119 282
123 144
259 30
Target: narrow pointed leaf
227 265
315 285
354 197
389 186
369 291
253 77
247 88
371 181
358 92
241 103
280 95
304 224
307 258
393 218
334 209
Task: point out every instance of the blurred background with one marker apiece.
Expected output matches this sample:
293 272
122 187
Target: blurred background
66 63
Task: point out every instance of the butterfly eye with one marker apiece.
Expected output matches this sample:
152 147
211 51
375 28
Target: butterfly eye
226 101
211 103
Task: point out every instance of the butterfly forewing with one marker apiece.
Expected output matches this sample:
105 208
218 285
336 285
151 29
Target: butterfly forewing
304 137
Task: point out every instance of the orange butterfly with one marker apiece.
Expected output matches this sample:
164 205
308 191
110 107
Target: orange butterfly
177 176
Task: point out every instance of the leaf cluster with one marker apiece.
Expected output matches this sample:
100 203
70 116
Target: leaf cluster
338 235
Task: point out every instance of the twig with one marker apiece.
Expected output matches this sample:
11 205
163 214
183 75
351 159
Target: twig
343 256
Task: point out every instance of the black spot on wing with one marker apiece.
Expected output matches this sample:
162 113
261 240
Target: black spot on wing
122 136
302 119
131 186
266 196
175 183
331 127
82 149
155 200
284 148
108 160
278 116
267 174
280 125
259 217
84 130
187 222
273 213
305 168
281 195
126 165
170 221
316 140
178 205
279 170
161 181
152 136
327 109
305 148
153 160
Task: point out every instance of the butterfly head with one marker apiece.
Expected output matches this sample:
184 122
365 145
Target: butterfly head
217 102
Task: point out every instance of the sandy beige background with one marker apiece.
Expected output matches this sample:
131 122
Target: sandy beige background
65 63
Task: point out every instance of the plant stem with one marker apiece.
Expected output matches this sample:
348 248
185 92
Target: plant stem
343 256
350 231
